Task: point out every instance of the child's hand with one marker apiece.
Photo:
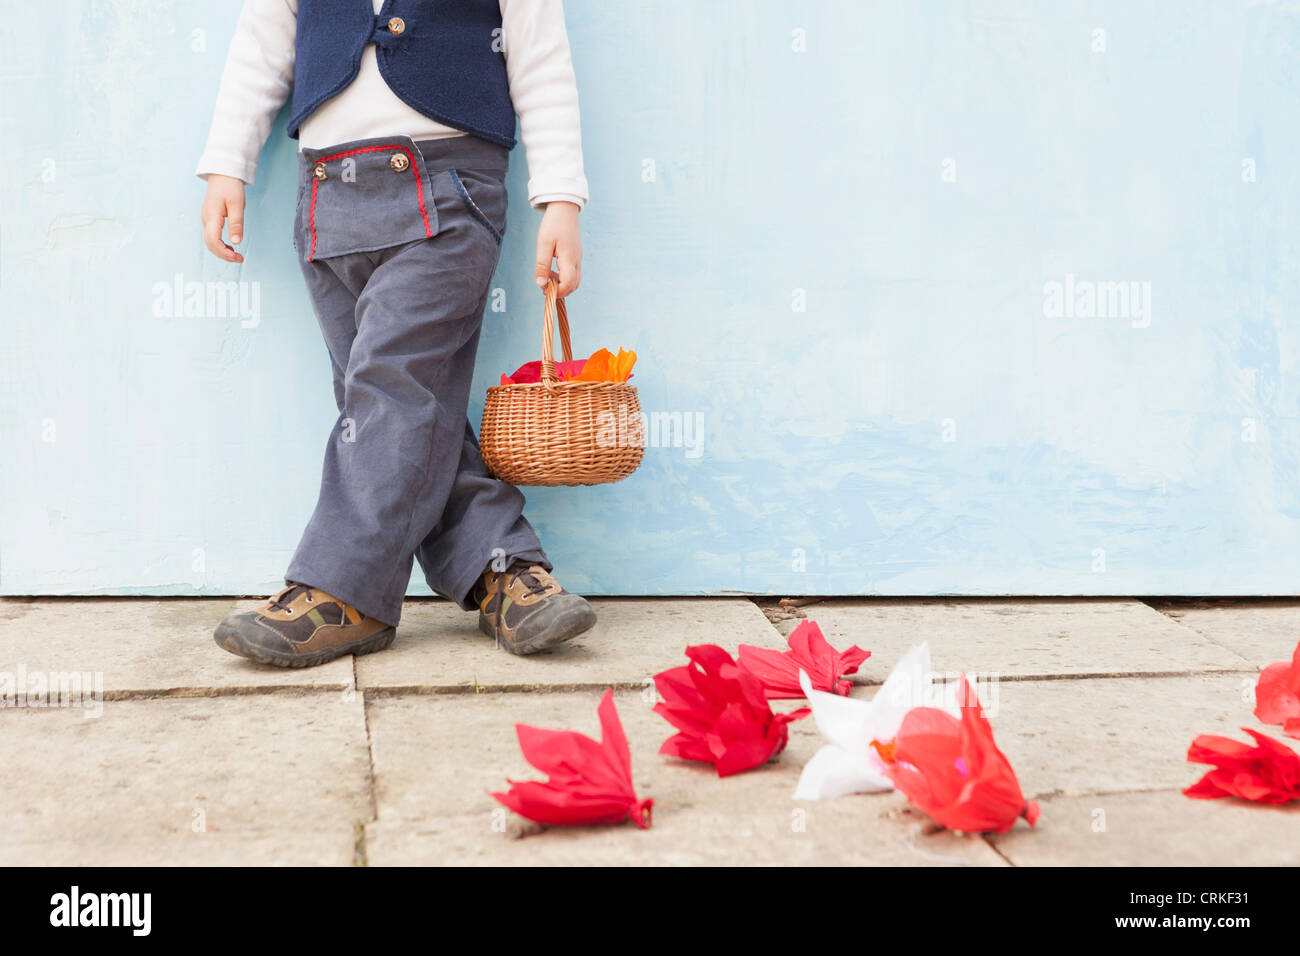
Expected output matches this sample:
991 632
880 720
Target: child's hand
558 238
224 199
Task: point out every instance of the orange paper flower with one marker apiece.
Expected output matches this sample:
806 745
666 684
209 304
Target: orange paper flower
605 366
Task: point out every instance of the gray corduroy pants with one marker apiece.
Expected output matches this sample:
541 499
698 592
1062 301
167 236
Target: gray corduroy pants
398 242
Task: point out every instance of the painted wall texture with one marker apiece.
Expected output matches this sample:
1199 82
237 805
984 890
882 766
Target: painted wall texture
952 296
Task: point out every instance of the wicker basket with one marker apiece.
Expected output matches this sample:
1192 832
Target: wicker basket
561 433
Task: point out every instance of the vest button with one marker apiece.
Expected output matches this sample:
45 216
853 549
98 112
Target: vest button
399 162
396 26
319 171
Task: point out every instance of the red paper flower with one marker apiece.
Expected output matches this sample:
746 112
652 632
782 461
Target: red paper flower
587 782
532 372
721 713
953 771
1277 695
810 652
1268 772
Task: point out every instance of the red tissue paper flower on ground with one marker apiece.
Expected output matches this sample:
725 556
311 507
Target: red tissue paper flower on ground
953 771
1268 772
588 782
810 652
1277 695
721 712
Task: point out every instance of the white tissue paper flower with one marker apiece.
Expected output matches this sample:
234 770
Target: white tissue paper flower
848 763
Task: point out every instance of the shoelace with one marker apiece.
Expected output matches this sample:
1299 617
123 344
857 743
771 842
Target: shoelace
286 597
531 581
534 584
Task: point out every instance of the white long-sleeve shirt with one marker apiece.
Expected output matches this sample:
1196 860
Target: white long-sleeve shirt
259 76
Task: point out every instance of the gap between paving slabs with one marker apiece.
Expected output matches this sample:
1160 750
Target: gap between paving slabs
359 846
1019 639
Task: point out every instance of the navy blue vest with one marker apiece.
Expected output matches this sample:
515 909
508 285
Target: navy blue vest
441 57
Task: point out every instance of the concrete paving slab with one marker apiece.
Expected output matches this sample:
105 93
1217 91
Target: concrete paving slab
282 775
331 844
158 645
1161 828
268 779
436 758
1021 638
1261 632
439 647
834 835
1105 735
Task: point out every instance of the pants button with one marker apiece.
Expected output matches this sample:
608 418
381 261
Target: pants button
399 162
396 26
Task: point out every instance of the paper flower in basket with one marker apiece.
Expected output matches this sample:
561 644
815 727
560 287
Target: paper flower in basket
605 366
602 366
531 372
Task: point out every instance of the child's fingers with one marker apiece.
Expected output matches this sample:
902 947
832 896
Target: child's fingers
212 223
545 253
235 212
570 275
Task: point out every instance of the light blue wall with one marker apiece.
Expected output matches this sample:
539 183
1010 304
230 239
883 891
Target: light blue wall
148 454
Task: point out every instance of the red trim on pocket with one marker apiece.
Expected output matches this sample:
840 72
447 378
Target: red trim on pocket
415 171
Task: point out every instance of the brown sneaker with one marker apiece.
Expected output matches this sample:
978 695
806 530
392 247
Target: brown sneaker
302 627
527 611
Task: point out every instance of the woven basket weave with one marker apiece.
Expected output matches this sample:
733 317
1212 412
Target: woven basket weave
561 433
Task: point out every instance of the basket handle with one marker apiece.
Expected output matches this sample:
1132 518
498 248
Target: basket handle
554 307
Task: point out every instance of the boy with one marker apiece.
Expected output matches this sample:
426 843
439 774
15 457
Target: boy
405 114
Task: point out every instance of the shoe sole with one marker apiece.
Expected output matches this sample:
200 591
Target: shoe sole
235 644
564 628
